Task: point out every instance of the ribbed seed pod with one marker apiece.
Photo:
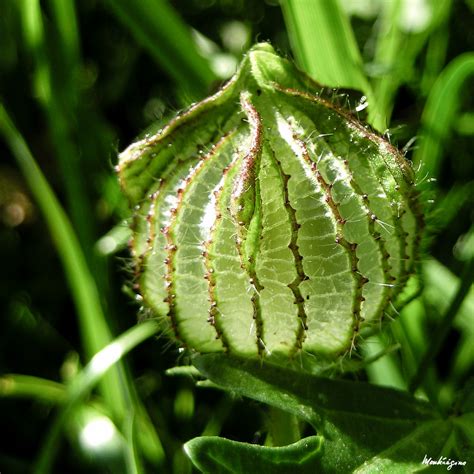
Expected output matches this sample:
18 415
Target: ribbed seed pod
268 220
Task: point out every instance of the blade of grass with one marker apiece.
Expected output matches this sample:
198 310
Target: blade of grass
64 16
56 92
117 389
158 28
27 386
440 112
408 330
395 35
448 206
435 57
114 240
386 369
85 381
323 42
86 298
132 459
446 323
60 108
441 287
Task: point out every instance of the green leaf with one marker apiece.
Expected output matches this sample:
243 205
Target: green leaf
464 426
357 420
215 455
56 89
407 454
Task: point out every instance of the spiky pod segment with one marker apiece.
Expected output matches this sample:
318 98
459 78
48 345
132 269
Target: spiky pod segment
269 222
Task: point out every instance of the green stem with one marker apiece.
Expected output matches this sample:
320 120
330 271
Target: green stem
283 427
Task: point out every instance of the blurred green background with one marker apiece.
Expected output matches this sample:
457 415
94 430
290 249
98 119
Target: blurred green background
80 80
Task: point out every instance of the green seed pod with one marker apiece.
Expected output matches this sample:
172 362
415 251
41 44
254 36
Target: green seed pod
268 220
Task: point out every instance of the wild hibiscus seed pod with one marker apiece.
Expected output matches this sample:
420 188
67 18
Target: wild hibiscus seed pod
269 221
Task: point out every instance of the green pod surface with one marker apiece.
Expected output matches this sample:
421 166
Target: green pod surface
268 220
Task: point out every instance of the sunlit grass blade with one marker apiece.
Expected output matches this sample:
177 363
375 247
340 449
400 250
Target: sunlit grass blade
403 30
85 381
94 329
86 298
408 329
386 369
27 386
448 206
116 388
114 240
439 336
323 42
132 459
159 29
440 112
56 90
325 47
65 22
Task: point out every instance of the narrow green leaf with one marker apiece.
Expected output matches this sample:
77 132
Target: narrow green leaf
117 390
212 454
85 381
114 240
325 47
132 459
440 112
324 43
27 386
55 87
445 325
448 206
159 29
401 27
386 370
65 22
93 325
